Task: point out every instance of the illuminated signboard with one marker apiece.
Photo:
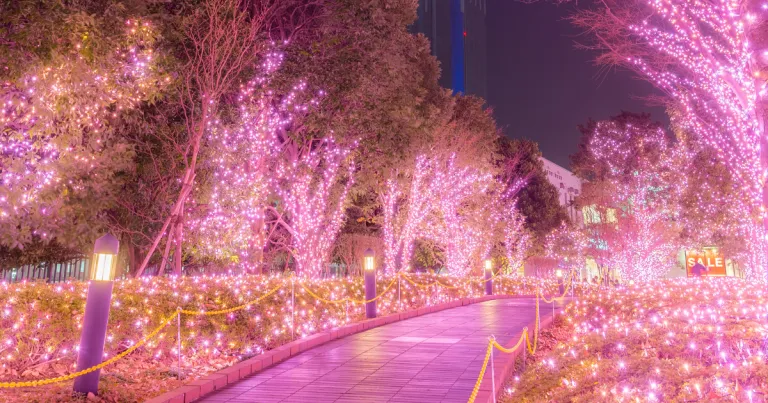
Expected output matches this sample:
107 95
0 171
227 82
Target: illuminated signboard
711 258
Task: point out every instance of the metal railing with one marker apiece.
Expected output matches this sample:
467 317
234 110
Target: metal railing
50 272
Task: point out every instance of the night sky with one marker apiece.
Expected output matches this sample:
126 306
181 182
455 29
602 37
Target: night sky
541 87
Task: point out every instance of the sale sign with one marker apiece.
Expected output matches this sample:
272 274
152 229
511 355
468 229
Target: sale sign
711 258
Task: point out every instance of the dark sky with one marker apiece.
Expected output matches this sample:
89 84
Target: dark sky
541 87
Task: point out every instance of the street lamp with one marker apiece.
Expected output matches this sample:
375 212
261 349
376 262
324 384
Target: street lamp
488 277
561 286
369 266
97 304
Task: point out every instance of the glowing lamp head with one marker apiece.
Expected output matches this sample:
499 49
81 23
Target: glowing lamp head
104 259
488 264
559 273
368 260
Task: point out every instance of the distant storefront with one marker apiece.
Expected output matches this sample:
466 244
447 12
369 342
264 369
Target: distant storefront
712 257
717 264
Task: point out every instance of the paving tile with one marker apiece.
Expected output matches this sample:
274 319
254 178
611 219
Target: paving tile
434 357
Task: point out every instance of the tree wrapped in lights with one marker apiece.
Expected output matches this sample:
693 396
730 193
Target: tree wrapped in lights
406 213
516 240
312 183
568 245
634 167
462 222
434 198
59 155
708 57
232 222
222 41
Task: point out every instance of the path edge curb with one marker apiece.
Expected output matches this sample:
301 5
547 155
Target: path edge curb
198 388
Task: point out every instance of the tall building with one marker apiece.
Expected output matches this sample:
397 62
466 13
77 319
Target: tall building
457 32
568 187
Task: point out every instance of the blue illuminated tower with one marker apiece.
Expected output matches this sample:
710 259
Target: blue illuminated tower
457 32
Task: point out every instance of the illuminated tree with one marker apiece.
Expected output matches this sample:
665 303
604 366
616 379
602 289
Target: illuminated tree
312 182
406 211
60 159
634 171
231 223
222 40
516 240
708 58
463 217
568 245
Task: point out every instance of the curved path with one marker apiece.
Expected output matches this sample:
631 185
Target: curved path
430 358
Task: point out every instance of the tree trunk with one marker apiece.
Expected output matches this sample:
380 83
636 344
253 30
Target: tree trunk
185 189
167 251
256 255
177 255
131 257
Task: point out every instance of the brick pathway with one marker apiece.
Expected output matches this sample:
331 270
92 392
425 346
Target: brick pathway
431 358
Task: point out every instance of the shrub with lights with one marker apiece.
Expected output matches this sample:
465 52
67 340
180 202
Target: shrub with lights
41 323
680 340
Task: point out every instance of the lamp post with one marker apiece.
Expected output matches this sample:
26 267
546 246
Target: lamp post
97 304
488 277
369 267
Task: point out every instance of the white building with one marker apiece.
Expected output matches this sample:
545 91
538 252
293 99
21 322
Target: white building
568 187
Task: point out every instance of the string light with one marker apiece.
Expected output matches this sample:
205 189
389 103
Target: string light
702 58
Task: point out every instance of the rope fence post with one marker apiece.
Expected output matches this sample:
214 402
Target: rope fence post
178 336
525 350
493 374
553 307
572 283
399 302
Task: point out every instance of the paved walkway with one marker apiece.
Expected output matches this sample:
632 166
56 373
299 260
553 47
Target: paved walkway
431 358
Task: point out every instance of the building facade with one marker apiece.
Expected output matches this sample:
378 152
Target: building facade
568 187
457 31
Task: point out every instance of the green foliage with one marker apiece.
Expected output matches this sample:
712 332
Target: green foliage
71 69
539 200
380 86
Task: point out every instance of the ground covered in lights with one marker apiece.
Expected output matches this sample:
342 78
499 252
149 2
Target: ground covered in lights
683 340
40 325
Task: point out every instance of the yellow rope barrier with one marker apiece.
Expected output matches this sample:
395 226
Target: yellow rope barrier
379 295
345 299
485 280
476 389
523 337
151 335
156 331
436 282
233 309
41 382
565 292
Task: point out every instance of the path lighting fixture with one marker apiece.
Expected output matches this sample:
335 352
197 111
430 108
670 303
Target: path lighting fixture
369 264
488 276
97 304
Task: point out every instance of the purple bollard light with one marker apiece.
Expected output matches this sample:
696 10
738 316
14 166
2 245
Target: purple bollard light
370 284
97 306
488 277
